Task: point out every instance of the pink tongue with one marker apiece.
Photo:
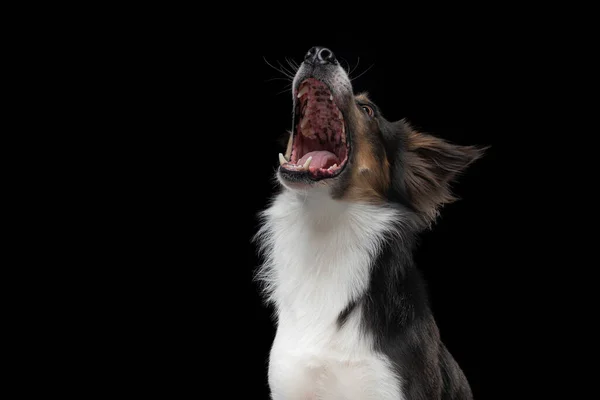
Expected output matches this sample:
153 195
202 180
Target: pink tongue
320 159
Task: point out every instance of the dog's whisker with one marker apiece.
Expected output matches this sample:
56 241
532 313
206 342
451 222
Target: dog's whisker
347 65
285 69
356 66
282 92
287 74
285 90
292 64
364 72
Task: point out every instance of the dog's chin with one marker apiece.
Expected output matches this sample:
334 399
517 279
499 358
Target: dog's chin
306 180
298 184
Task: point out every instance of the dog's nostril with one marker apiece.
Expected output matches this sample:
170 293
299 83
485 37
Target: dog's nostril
320 55
311 53
326 56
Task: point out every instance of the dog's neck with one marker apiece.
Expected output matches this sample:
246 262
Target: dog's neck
320 251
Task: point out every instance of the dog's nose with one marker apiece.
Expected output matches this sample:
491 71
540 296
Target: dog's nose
320 55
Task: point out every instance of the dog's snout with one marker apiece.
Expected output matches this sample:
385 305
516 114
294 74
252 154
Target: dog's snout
320 55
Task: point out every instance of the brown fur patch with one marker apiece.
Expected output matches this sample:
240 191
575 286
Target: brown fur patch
363 97
369 183
370 175
431 164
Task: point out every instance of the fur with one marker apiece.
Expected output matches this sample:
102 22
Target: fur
353 320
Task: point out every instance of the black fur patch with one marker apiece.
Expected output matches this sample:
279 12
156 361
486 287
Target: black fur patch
397 315
343 317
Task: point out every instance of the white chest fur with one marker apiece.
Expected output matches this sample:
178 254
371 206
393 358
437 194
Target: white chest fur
318 253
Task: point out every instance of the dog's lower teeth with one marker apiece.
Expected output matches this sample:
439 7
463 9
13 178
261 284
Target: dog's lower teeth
307 163
332 167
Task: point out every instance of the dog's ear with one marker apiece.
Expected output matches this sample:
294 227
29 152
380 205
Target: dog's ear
431 164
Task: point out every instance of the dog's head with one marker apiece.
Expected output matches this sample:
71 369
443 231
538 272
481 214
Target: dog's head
341 142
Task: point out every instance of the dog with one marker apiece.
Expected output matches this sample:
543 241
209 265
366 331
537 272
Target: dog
352 314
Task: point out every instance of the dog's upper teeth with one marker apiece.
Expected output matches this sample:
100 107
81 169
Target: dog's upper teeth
303 91
288 151
307 163
331 97
340 115
282 159
303 122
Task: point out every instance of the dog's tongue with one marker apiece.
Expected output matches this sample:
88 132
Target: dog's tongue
320 159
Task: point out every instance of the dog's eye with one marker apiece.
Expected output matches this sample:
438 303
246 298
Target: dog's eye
368 110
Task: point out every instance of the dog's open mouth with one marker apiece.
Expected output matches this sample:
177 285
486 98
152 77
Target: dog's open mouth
319 147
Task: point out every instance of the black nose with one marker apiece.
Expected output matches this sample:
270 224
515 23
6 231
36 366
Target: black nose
320 55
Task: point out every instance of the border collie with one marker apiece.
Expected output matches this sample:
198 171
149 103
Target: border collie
353 321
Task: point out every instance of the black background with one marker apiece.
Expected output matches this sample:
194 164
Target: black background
207 133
